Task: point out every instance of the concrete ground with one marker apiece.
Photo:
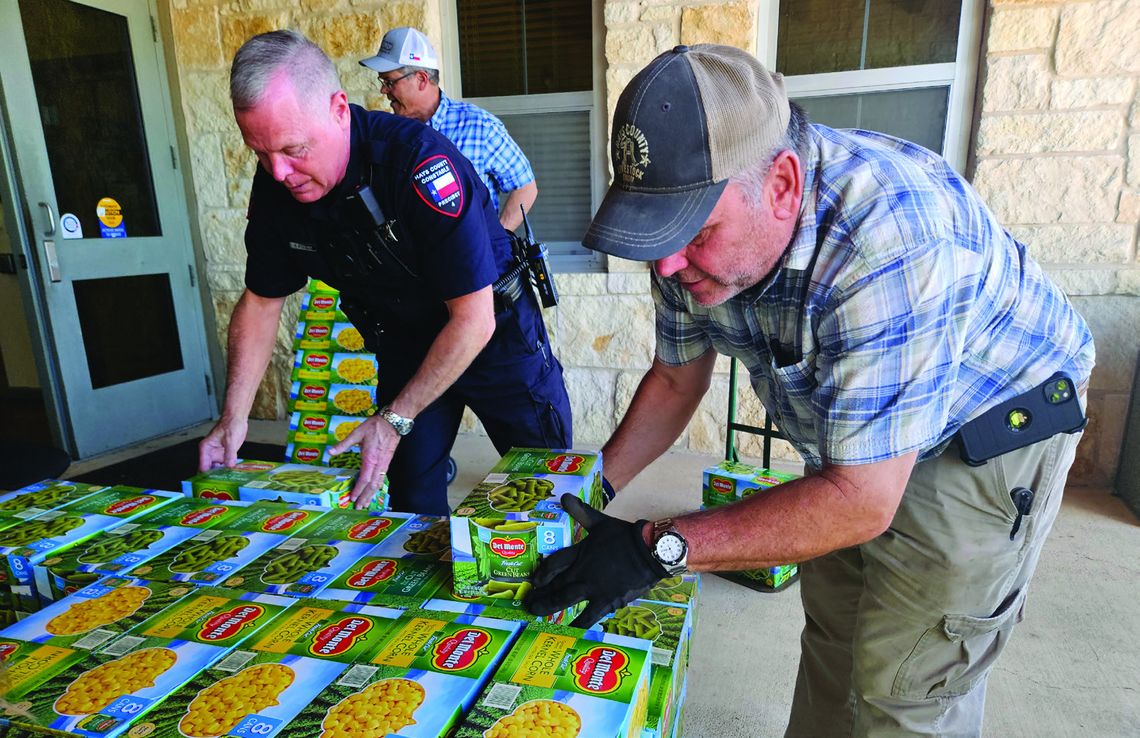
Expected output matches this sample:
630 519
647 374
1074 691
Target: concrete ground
1071 669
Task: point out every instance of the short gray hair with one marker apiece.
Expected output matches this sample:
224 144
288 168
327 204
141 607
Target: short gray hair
795 139
432 74
260 58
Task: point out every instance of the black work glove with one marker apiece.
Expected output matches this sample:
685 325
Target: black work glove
610 567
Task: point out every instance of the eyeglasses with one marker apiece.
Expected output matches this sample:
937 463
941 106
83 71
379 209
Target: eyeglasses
387 84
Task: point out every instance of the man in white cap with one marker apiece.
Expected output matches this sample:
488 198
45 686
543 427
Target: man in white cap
408 68
880 309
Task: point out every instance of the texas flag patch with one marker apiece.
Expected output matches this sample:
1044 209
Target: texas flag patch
437 185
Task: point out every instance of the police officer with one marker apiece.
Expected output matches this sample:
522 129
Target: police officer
387 211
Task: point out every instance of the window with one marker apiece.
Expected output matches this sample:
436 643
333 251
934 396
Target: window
901 67
532 63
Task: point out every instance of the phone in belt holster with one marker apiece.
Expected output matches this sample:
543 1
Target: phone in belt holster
1050 408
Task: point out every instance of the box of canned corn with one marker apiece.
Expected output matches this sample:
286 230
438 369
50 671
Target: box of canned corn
513 518
306 484
730 481
92 616
325 629
670 628
305 564
101 693
562 681
334 366
221 551
222 483
28 544
328 335
416 680
117 550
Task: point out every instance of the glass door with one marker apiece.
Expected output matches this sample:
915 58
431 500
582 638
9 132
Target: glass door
102 220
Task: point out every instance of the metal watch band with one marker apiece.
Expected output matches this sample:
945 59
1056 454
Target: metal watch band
402 425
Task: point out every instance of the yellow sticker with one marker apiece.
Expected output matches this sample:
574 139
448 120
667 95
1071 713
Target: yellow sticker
109 212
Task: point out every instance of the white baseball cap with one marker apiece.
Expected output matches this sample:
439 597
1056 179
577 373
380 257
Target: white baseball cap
402 47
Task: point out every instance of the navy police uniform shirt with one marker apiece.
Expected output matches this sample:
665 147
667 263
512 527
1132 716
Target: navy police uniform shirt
447 226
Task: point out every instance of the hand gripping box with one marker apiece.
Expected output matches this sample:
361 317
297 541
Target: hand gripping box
223 483
101 693
513 517
27 545
305 484
219 552
505 604
420 676
730 481
305 564
670 628
563 681
97 613
117 550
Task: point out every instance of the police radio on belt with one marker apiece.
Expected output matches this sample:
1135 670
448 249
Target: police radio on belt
530 259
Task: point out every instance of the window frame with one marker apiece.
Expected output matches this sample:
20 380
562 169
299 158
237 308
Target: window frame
591 101
959 75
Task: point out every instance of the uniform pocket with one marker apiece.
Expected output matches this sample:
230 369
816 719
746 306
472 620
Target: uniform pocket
951 657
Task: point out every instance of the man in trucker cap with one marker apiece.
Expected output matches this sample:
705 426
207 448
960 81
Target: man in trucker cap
878 306
408 69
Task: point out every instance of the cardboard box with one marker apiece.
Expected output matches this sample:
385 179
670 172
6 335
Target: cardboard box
594 683
306 484
684 589
358 400
65 689
306 563
670 629
513 517
508 604
116 551
27 545
423 672
309 396
313 335
326 629
340 367
730 481
28 502
322 306
219 552
222 483
390 582
92 616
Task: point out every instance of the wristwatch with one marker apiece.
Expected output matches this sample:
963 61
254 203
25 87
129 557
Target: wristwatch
402 425
670 547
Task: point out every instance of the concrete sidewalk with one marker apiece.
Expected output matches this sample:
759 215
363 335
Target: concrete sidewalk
1072 668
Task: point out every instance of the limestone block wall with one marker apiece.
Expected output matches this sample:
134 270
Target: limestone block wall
1057 156
205 36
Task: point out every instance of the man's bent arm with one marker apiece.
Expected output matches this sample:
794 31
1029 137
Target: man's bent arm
252 333
837 507
511 216
661 408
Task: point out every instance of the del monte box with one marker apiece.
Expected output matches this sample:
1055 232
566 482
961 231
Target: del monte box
513 517
222 483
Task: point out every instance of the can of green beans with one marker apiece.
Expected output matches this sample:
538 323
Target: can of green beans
507 549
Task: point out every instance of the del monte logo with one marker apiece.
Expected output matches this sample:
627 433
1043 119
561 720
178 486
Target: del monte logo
122 507
198 517
308 454
339 637
324 302
600 670
565 463
459 651
367 529
284 521
374 572
315 422
722 485
231 622
314 391
317 361
318 331
508 548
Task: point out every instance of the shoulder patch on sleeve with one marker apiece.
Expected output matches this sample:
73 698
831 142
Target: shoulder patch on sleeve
437 184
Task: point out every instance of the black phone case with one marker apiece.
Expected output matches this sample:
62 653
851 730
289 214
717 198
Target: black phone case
990 434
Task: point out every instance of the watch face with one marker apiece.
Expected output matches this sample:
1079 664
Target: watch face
670 548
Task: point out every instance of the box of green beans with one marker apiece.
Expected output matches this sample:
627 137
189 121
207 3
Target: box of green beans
513 517
306 484
222 483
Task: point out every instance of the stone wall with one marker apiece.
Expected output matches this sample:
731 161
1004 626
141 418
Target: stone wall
1057 156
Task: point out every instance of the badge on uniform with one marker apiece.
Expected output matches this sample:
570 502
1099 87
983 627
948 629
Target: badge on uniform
437 185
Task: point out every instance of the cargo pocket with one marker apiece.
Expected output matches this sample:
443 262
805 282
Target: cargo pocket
951 657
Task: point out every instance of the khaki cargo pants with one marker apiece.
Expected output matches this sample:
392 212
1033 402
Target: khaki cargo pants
902 631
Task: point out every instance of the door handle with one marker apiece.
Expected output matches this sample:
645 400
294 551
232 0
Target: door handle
51 218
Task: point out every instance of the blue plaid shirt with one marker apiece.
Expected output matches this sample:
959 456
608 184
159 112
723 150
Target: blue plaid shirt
484 140
921 311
